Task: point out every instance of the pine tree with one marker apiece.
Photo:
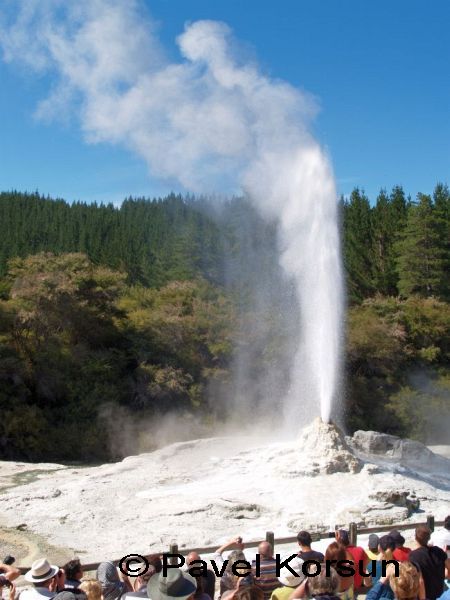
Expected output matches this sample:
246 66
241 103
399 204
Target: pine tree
421 262
358 245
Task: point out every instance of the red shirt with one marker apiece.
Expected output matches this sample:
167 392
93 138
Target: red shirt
401 554
358 554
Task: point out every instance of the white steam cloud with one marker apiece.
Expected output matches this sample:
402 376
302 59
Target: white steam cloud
210 122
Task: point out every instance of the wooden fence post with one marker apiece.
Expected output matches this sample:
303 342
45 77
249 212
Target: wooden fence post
353 534
270 537
173 550
430 522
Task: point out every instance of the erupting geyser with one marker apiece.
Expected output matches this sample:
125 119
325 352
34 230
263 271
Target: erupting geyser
300 185
214 123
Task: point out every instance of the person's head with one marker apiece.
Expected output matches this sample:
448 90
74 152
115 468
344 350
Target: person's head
374 540
304 539
73 569
265 550
406 585
154 560
423 535
192 557
233 557
92 588
42 574
107 573
321 585
287 578
447 522
248 592
399 540
176 585
343 537
386 545
335 551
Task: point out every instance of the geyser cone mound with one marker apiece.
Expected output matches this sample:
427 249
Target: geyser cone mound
323 450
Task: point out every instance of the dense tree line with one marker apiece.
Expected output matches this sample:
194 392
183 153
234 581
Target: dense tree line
152 241
397 246
109 316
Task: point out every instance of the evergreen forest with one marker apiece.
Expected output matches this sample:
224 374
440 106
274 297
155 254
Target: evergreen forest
114 317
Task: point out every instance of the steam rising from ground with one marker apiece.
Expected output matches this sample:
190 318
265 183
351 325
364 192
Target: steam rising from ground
209 122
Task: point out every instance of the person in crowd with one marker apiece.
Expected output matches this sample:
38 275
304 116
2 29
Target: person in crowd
248 592
323 586
209 582
267 579
445 595
9 572
288 580
140 584
401 552
431 561
337 552
92 588
43 577
74 573
306 553
407 586
155 561
229 581
154 566
9 585
441 537
372 549
65 595
114 583
359 556
176 585
386 547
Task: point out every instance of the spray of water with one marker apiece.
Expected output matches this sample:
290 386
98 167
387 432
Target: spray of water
209 122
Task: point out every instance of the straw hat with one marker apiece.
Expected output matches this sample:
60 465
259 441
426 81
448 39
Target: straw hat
41 570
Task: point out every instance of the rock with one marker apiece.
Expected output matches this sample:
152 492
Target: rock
399 499
406 453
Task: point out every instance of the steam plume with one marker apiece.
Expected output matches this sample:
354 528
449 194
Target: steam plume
208 122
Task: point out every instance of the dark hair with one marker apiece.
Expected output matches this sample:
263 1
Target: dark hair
423 534
72 568
304 538
335 551
447 522
249 592
387 542
344 537
155 561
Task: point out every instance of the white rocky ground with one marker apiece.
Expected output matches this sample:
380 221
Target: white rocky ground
204 491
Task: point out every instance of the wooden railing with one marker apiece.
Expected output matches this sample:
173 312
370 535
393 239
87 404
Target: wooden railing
353 530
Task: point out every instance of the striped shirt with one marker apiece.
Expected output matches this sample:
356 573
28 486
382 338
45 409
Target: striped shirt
267 578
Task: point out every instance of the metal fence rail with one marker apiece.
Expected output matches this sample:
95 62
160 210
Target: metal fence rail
353 529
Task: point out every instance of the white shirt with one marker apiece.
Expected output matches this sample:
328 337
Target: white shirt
441 538
36 593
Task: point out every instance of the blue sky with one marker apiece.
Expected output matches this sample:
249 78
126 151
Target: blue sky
379 70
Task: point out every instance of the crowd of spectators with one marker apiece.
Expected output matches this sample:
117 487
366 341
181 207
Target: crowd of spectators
421 573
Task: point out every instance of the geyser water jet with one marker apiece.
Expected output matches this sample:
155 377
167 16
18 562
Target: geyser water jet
213 123
300 185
